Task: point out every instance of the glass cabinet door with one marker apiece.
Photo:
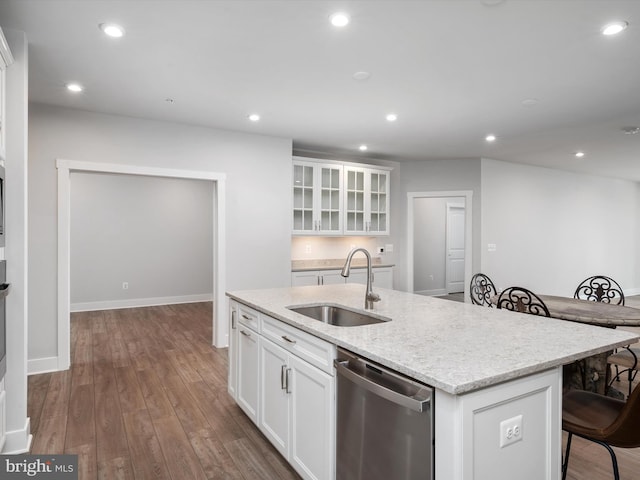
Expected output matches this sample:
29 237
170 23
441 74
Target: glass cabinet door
330 199
378 202
303 179
355 195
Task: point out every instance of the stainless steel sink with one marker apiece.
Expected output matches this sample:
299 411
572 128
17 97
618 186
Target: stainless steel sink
337 315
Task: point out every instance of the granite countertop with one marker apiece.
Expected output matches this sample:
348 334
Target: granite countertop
453 346
335 264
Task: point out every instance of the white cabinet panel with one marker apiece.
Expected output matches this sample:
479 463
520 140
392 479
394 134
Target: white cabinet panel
316 277
366 201
274 397
313 421
382 277
317 198
248 368
232 380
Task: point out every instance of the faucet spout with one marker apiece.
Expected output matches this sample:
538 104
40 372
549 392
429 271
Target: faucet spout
369 297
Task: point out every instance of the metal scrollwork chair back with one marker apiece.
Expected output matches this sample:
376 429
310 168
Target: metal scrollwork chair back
600 288
481 290
519 299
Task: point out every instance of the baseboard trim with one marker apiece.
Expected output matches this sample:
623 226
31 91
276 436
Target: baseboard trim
18 441
42 365
432 293
139 302
631 292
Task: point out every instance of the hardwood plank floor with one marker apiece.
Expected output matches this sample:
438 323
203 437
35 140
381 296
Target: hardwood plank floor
146 398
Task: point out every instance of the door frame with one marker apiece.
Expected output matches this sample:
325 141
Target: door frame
468 232
65 168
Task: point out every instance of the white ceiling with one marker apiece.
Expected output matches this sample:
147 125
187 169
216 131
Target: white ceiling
453 71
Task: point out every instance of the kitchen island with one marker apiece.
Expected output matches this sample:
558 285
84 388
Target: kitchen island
486 366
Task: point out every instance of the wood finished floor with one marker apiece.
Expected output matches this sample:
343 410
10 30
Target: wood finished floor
146 398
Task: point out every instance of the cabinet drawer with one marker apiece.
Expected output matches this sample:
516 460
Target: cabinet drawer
249 317
309 348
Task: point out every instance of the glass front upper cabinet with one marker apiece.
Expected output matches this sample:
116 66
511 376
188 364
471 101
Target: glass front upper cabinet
366 201
317 198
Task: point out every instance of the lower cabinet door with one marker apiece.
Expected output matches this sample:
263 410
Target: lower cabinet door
274 396
312 421
248 363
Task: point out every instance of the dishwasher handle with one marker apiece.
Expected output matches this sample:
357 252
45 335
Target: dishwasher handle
418 402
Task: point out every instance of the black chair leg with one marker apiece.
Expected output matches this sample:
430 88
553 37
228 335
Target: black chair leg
565 464
614 460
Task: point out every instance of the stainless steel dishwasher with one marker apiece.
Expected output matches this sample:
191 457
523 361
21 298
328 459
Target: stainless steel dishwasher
384 423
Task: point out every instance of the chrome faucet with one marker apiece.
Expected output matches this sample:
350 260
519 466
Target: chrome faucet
369 296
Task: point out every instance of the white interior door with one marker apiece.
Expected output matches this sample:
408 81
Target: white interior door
455 247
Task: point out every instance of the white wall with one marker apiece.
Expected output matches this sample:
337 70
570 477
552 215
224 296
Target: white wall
154 233
16 251
553 228
431 176
258 200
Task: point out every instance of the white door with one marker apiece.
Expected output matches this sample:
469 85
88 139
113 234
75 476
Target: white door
313 421
455 248
248 364
274 395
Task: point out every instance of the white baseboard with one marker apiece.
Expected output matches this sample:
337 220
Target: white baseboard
139 302
18 441
432 293
42 365
631 292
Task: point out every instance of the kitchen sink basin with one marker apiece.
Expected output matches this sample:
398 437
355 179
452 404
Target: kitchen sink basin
337 315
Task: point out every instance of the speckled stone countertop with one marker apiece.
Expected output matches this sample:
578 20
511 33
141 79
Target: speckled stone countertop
452 346
335 264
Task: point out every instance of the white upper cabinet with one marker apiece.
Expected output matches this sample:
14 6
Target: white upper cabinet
336 198
317 198
5 60
366 201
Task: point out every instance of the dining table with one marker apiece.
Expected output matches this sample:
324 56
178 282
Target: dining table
590 373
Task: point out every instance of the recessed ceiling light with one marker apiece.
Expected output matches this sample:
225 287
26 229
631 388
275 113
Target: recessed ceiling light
614 28
363 148
579 154
339 19
74 87
112 30
490 138
391 117
361 76
530 102
254 117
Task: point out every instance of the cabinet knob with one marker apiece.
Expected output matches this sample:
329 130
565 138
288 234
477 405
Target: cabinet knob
287 339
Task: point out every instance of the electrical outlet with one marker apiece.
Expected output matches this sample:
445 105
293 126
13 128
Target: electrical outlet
307 248
125 285
510 431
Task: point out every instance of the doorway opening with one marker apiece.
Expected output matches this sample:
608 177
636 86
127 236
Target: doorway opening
65 168
440 243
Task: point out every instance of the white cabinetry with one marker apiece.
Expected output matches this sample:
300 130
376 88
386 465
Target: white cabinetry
366 201
297 398
248 361
285 383
382 277
337 198
232 380
316 277
6 59
317 198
